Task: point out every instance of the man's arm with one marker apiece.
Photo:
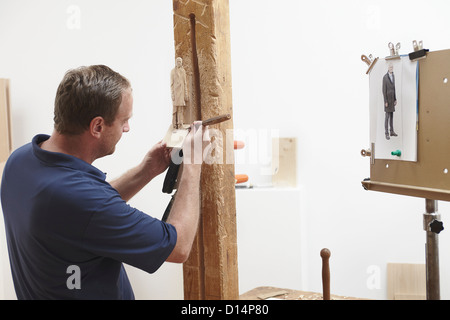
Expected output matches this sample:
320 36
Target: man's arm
185 212
155 162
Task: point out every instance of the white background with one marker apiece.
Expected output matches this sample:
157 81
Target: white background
296 69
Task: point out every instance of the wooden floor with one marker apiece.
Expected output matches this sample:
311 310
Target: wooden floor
262 293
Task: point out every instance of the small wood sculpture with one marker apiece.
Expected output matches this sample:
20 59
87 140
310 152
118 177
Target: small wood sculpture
325 254
180 94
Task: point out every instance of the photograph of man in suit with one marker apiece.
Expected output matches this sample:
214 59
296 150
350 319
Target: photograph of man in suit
390 101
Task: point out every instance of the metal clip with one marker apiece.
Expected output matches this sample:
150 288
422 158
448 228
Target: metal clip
369 153
419 51
394 51
369 61
417 46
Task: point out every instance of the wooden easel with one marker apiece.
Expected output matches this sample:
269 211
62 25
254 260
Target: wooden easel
429 177
202 40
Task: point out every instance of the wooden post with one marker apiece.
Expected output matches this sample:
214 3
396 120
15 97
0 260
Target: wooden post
325 254
5 121
202 40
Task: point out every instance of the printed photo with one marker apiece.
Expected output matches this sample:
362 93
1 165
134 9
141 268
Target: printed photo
393 109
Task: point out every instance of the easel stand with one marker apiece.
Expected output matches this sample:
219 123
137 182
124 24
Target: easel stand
432 225
428 177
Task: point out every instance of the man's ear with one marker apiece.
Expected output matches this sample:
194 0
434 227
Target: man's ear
97 126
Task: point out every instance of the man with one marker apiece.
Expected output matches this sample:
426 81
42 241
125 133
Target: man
61 216
390 101
178 87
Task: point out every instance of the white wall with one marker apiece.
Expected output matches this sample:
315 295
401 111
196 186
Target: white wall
296 69
297 66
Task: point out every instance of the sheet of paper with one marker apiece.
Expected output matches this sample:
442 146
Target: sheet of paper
404 110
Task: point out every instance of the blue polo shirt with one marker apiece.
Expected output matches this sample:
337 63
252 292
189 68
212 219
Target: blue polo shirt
62 216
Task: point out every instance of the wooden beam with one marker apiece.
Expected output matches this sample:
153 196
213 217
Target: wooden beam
5 121
202 40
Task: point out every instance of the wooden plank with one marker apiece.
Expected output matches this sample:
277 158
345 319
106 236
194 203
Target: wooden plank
406 281
5 121
201 34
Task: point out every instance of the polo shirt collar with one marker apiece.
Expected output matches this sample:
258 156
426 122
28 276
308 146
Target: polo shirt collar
62 159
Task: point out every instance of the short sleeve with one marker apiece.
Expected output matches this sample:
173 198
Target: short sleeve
123 233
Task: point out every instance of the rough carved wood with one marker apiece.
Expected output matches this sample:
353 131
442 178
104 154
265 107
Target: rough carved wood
202 40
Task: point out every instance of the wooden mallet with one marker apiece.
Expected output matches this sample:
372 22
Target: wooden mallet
325 254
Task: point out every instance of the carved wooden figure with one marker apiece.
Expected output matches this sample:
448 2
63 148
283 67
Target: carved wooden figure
180 94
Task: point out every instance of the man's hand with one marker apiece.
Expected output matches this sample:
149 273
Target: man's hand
157 160
196 142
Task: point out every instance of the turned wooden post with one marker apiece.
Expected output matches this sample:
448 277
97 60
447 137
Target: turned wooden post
325 254
202 40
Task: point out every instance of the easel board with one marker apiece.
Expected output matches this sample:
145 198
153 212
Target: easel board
429 176
5 121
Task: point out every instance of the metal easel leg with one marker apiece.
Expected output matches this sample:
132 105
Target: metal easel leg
432 225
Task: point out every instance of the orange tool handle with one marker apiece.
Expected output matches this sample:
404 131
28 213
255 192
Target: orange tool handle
239 145
241 178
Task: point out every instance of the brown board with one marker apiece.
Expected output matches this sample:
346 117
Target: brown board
429 177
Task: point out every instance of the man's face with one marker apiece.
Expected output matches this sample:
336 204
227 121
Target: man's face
120 125
179 63
391 69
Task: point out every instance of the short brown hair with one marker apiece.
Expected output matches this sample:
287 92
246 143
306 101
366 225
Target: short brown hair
86 93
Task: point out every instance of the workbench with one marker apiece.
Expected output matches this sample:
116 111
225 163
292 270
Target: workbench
263 293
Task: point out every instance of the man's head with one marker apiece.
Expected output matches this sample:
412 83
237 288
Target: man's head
179 62
390 68
86 93
94 104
